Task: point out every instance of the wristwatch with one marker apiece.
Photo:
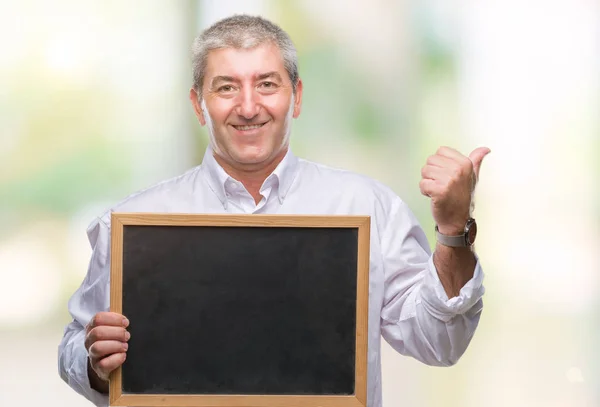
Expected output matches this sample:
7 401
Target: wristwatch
465 240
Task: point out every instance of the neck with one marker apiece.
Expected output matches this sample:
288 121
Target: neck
252 177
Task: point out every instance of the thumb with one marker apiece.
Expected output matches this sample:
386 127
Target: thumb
476 158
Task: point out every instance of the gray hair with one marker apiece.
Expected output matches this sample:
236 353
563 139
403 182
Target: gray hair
242 32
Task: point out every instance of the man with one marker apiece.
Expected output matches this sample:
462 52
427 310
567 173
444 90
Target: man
247 91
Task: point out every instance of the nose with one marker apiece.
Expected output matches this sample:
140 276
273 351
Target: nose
248 106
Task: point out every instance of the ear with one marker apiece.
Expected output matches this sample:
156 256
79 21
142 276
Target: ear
298 100
195 99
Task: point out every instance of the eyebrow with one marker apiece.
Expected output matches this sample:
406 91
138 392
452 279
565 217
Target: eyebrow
272 74
222 78
225 78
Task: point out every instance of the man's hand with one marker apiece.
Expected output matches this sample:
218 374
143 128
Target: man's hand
449 179
106 342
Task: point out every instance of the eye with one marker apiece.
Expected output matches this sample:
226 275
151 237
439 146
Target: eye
225 89
268 85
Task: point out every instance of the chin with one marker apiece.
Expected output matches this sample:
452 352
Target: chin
251 155
254 154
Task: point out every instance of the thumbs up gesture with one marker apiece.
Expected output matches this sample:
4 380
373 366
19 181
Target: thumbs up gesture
449 179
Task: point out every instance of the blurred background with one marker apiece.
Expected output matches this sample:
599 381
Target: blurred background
94 105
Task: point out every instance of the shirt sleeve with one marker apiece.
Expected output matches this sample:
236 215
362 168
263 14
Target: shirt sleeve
91 297
417 317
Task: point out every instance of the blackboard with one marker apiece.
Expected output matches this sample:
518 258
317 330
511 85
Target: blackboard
252 309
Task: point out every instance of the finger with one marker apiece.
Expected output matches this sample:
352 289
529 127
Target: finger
435 173
437 160
101 349
106 333
476 158
451 153
106 365
108 318
430 188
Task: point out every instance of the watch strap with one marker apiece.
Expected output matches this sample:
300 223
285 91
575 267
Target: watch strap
452 241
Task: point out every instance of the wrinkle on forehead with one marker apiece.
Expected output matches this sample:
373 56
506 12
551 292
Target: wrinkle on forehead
231 62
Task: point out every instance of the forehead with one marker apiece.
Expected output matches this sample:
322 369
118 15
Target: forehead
245 63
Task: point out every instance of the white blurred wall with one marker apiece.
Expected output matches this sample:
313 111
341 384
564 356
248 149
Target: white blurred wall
524 83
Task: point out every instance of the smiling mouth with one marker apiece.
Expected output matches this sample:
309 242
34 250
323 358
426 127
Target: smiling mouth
251 127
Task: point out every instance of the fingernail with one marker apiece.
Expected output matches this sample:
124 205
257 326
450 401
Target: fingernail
125 346
127 336
125 322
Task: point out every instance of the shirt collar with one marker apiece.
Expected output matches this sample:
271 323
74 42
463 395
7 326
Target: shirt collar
280 179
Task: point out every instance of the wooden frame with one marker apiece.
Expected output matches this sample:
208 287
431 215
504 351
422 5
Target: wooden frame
362 223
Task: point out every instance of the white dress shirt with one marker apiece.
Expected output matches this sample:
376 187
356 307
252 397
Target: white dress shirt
407 303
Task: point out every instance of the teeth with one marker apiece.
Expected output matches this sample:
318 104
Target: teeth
256 126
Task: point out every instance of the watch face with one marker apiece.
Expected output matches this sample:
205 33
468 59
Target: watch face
471 233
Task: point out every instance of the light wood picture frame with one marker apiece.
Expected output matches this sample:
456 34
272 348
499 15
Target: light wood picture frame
120 221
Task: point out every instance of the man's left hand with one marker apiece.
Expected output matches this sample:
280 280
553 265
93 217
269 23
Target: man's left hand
449 179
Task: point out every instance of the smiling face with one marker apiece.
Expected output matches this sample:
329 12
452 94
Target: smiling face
247 105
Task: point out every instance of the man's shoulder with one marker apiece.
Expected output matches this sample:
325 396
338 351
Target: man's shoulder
343 179
158 196
357 193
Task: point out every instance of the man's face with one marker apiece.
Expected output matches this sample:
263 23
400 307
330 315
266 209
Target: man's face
247 105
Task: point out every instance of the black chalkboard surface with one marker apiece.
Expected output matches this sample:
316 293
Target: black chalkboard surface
241 309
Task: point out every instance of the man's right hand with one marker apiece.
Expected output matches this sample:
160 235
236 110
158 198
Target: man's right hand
106 342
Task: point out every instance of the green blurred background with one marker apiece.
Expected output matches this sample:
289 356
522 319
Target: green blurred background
93 106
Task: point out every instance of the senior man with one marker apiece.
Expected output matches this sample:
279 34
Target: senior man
246 91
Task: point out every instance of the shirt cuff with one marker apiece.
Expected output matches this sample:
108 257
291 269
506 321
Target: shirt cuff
78 375
436 300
